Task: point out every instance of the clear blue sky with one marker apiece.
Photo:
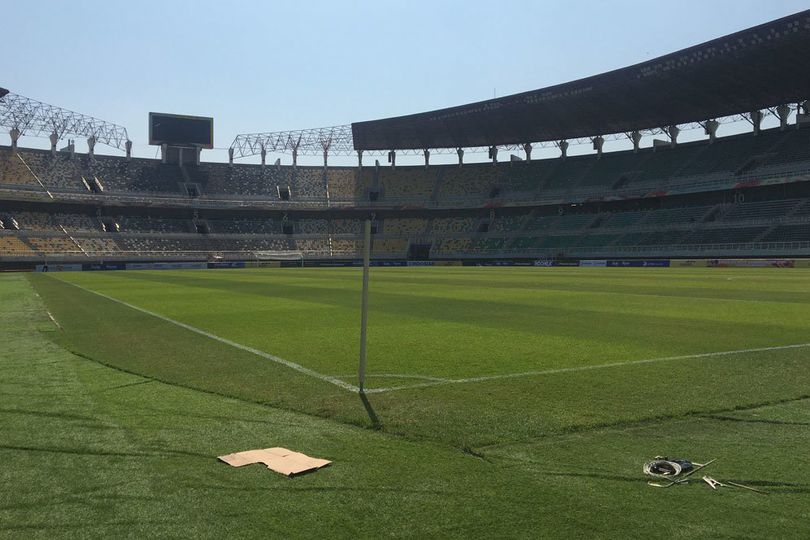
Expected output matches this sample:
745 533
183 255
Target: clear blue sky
265 66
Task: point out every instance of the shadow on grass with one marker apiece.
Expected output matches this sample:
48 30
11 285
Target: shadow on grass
754 420
597 476
375 420
777 487
47 414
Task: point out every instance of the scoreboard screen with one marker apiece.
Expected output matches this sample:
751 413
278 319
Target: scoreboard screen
181 130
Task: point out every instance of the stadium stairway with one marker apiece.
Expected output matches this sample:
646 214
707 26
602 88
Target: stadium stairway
437 188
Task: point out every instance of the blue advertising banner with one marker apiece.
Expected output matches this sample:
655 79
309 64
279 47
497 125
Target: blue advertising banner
167 266
335 264
383 263
180 266
657 263
104 266
139 266
224 264
494 263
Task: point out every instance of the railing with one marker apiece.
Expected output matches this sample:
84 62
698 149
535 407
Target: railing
568 195
662 251
77 256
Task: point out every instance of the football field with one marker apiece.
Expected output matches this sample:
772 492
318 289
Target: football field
499 401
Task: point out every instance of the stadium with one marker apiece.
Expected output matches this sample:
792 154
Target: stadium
481 347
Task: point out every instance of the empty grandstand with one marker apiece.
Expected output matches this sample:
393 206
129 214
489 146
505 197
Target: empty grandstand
742 195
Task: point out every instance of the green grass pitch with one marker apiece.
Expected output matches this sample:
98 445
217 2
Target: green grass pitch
501 402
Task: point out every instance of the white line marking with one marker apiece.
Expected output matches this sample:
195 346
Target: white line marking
397 376
586 368
53 320
257 352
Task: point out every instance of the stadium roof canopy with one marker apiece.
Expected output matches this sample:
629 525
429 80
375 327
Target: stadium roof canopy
27 116
757 68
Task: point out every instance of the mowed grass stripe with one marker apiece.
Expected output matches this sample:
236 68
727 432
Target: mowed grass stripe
771 285
468 415
581 339
718 285
601 302
412 330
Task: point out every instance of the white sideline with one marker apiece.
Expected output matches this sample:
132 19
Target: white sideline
586 368
399 376
59 326
257 352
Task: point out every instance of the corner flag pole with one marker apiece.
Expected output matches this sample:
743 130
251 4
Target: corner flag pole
364 305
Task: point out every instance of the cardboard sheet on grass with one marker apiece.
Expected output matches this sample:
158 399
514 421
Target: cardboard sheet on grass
280 460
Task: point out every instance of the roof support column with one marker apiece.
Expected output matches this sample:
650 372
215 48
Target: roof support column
636 138
91 147
427 157
15 136
563 146
801 113
128 147
598 143
230 156
359 159
756 121
392 159
72 148
264 156
673 132
710 128
783 112
54 141
527 147
326 144
460 152
493 154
